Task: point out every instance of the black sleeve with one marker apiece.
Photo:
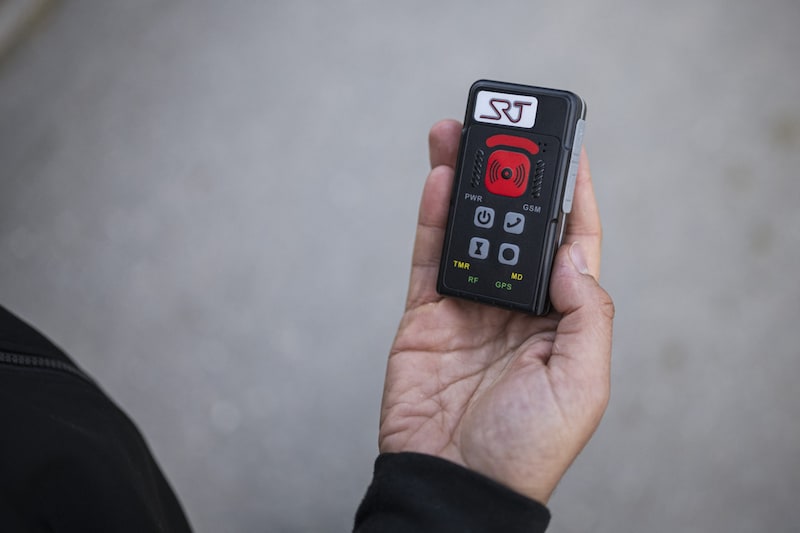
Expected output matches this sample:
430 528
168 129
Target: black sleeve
70 459
418 493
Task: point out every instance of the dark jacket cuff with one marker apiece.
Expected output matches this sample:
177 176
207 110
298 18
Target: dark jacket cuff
422 493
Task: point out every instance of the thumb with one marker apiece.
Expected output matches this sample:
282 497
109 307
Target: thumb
572 286
583 337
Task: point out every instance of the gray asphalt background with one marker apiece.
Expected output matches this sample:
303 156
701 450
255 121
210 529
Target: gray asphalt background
211 205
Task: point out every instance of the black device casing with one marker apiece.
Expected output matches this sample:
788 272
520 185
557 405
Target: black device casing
513 189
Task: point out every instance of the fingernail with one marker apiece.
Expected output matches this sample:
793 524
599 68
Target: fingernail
578 258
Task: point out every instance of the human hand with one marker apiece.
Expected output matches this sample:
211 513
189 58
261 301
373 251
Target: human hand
512 396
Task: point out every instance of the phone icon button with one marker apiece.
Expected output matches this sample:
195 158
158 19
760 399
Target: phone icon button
484 217
514 222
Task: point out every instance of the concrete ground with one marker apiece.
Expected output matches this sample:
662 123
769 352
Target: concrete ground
211 205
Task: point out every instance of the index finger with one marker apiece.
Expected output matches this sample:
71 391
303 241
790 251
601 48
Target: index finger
443 143
443 146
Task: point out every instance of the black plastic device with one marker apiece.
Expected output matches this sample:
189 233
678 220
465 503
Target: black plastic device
514 183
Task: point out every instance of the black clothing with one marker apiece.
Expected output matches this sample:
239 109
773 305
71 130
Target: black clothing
72 461
425 494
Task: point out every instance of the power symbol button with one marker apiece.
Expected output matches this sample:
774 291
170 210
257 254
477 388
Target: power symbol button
484 217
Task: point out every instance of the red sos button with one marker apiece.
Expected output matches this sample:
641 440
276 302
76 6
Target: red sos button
507 171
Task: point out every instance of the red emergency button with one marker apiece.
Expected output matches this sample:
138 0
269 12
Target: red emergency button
507 171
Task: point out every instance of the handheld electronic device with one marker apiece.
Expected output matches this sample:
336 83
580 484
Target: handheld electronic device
514 182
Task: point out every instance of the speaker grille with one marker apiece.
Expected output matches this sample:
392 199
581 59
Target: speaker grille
538 179
477 168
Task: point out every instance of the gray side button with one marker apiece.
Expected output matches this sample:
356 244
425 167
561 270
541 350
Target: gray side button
572 173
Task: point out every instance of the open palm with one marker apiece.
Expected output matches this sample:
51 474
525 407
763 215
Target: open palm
510 395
